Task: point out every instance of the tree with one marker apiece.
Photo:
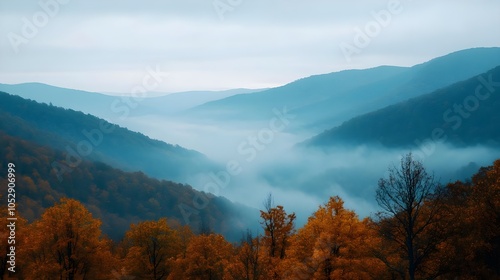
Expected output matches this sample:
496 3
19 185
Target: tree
207 257
278 227
334 245
249 263
473 249
153 248
409 198
66 244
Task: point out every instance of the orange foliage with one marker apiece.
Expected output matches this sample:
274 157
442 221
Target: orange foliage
334 244
463 242
66 243
153 249
207 257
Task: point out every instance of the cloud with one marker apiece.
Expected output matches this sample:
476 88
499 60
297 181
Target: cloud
257 44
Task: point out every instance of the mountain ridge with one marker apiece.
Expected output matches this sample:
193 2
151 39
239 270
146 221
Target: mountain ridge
323 101
433 113
115 107
85 135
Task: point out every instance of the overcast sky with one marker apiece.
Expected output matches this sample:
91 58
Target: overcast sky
107 46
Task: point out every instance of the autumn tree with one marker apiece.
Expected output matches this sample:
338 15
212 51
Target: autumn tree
184 233
153 247
66 244
333 245
485 204
207 257
249 263
278 227
409 199
473 249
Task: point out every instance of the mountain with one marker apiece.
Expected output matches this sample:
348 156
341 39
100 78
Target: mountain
463 114
180 101
93 103
295 96
82 136
117 198
113 108
322 101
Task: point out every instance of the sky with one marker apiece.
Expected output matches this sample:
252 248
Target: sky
112 46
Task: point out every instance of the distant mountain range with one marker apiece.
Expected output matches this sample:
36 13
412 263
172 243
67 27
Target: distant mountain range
319 102
113 108
84 136
463 114
323 101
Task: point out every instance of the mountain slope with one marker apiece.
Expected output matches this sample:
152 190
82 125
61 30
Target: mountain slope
93 103
465 113
113 107
180 101
116 197
322 101
88 137
294 96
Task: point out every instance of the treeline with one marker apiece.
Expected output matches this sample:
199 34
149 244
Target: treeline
424 231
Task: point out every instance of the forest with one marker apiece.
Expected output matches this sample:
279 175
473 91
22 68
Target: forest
116 197
424 230
64 129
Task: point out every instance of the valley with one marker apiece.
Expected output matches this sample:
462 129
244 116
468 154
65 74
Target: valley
264 141
249 140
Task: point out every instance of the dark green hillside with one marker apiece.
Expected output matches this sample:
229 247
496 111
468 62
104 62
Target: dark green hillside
88 137
78 100
463 114
324 101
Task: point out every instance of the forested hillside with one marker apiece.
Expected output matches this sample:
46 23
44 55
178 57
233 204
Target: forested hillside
324 101
463 114
88 137
117 198
427 232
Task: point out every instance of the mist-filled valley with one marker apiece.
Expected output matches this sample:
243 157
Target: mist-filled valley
275 147
302 177
320 136
249 140
220 168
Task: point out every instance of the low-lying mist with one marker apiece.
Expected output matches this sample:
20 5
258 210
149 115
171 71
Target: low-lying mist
256 160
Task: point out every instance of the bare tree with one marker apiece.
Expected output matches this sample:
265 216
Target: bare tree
409 199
